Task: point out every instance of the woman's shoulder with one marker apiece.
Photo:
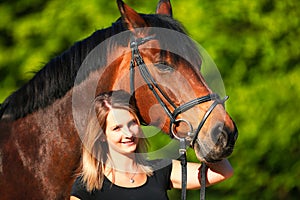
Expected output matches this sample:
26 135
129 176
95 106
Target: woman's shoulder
161 172
79 189
79 181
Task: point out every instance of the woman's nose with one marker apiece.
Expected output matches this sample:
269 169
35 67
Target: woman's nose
127 132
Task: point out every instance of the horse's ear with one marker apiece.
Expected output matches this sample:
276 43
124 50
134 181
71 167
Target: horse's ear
164 7
130 17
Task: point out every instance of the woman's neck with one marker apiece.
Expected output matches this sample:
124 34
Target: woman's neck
121 162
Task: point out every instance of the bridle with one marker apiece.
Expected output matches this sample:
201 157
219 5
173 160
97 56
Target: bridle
161 97
137 59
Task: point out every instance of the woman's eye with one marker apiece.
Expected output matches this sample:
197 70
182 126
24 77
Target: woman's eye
116 128
163 67
133 123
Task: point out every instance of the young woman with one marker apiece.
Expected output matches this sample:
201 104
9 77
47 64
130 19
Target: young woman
113 161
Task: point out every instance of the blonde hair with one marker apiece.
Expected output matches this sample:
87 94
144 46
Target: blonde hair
95 149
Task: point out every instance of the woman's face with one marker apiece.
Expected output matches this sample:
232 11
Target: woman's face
122 131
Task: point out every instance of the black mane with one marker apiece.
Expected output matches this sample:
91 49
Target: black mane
57 77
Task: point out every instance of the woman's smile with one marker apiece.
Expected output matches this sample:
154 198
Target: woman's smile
129 142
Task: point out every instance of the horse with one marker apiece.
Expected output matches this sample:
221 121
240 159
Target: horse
42 122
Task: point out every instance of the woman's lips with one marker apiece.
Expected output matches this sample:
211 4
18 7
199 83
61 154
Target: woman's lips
128 142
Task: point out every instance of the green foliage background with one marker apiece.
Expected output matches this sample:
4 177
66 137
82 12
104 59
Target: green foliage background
255 45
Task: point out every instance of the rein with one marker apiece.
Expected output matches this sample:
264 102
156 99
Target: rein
137 61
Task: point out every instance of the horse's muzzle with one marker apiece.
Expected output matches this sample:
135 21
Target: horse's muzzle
217 145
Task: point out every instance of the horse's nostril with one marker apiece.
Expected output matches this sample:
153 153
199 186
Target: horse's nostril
219 136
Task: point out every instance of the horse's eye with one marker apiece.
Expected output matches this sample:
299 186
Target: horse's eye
164 67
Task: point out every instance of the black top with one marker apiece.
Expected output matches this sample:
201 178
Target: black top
155 187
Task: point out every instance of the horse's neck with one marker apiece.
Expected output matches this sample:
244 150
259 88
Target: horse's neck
45 141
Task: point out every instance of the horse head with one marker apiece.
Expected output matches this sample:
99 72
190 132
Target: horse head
171 92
